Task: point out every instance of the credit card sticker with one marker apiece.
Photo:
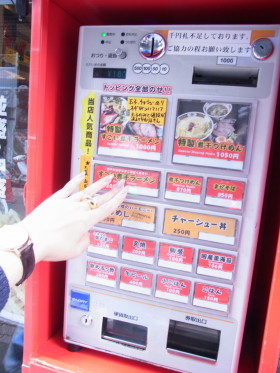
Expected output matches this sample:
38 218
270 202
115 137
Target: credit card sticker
80 300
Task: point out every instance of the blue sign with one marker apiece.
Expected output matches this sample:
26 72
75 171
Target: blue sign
80 300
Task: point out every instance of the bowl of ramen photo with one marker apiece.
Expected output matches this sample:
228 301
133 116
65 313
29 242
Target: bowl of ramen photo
217 110
194 125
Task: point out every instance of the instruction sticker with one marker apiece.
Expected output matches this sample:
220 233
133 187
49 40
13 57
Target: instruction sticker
209 42
224 193
87 123
85 162
131 127
212 228
103 243
171 288
140 182
133 216
212 134
80 300
101 273
183 187
147 110
175 257
215 264
136 281
210 296
138 250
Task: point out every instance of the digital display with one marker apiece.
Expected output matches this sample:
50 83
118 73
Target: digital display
109 73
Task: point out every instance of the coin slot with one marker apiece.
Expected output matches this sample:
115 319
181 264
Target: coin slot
192 340
240 77
125 333
152 48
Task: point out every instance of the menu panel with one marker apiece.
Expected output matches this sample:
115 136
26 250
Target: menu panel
212 134
131 126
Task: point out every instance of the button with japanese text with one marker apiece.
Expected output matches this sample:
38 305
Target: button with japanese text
133 216
171 288
175 257
183 187
215 264
101 273
103 243
224 193
140 182
214 228
136 281
136 130
211 296
138 249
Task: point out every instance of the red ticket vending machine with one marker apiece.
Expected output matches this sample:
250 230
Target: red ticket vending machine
184 114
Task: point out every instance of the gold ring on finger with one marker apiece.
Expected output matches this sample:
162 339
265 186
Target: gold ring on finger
92 203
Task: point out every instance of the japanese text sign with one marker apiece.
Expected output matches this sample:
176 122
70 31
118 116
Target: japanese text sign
200 226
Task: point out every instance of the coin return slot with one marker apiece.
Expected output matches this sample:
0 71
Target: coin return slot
125 333
240 77
193 340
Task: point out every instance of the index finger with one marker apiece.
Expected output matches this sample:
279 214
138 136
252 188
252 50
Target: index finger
69 187
93 188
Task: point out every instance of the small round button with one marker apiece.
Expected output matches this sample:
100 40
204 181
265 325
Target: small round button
262 48
86 320
164 68
120 53
155 68
137 68
146 68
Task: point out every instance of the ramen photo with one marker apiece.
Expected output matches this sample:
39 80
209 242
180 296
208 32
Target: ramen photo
194 125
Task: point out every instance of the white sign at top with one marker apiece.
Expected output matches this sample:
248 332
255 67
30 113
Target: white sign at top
209 43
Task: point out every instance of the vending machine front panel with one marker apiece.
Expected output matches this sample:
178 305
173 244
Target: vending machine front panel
184 114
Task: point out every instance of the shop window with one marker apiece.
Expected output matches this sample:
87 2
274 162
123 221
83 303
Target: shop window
14 82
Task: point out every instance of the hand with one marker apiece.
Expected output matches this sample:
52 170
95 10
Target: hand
59 226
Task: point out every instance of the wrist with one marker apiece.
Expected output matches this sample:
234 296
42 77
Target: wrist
12 266
15 240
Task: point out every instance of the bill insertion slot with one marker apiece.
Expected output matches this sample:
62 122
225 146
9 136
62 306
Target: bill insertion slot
228 76
192 340
125 333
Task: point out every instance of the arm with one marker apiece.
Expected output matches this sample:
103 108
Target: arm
59 226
